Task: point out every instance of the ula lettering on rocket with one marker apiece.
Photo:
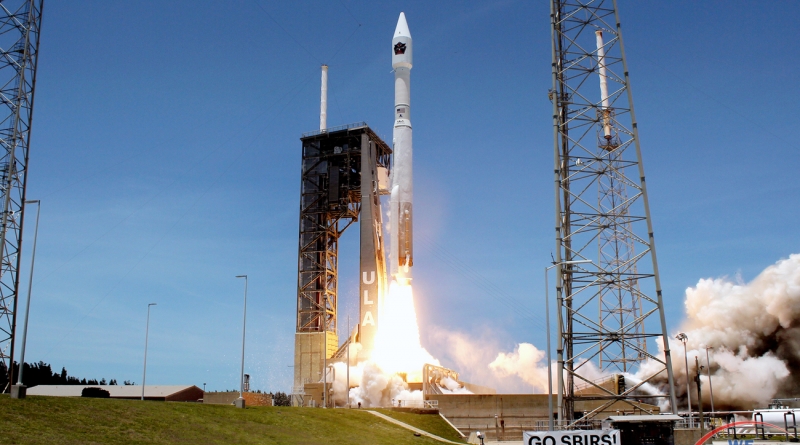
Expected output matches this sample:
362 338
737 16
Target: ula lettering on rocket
402 188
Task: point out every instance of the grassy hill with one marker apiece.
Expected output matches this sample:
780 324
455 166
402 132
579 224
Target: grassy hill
48 420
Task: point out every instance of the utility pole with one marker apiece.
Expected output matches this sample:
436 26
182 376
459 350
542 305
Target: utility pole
19 390
699 393
683 338
240 401
146 335
710 387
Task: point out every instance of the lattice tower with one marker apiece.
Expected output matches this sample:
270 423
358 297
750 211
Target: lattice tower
608 286
20 22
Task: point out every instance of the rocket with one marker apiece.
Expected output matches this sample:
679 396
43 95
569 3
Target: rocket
401 253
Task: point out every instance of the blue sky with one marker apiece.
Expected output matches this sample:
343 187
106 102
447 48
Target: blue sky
166 153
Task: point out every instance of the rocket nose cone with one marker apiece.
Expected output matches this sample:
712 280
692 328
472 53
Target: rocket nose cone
402 27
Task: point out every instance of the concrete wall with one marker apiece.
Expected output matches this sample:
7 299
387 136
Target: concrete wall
308 360
476 412
687 436
515 412
314 394
227 398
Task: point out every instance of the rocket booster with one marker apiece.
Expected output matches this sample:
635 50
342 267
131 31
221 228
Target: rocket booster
402 188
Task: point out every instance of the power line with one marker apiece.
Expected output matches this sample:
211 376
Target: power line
344 43
350 12
285 31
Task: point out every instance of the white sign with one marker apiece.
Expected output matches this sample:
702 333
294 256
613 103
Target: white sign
575 437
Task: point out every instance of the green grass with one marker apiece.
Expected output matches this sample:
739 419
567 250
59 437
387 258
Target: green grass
63 420
431 423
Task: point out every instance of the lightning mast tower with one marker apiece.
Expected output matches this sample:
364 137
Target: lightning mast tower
608 287
20 24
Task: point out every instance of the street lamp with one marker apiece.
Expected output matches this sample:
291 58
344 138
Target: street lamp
20 390
708 370
549 361
244 330
683 338
146 334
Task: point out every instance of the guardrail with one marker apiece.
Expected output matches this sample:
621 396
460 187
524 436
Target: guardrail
332 129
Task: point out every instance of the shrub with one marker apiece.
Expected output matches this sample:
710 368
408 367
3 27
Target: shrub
95 392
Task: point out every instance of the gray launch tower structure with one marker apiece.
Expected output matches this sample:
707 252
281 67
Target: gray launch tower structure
20 23
608 286
344 172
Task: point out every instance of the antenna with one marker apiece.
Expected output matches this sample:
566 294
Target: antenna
323 100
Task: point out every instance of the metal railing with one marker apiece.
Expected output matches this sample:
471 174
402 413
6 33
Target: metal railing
332 129
425 404
544 425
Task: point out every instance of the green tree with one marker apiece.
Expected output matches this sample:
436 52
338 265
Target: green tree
281 399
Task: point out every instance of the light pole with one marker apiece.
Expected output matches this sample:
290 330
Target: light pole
699 392
146 334
244 330
683 338
549 361
710 388
20 391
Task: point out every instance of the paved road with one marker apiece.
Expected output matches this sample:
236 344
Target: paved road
416 430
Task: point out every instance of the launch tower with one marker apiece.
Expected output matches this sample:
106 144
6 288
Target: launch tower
20 23
608 287
344 172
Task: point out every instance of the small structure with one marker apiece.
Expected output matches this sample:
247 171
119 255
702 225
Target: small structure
163 393
647 429
228 398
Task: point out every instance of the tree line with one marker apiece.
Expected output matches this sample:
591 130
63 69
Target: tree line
42 374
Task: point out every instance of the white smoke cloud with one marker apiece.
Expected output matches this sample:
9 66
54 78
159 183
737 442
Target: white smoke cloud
754 330
371 386
470 355
453 387
525 362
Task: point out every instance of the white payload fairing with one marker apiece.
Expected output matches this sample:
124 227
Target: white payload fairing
401 252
